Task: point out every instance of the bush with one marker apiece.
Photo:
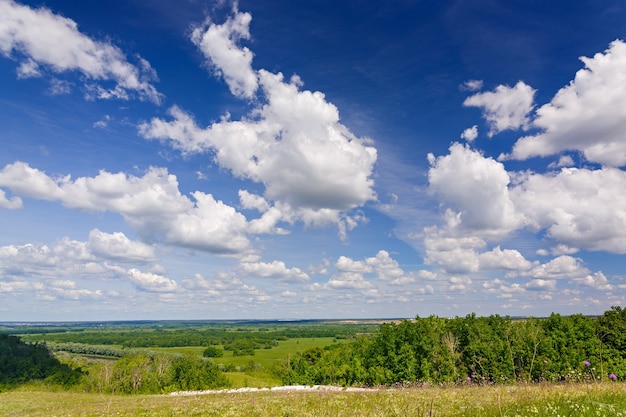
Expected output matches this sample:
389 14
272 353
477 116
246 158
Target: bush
213 352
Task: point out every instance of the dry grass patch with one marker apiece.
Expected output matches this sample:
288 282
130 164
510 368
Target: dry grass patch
515 400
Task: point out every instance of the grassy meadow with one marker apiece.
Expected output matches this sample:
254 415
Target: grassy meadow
602 399
551 367
264 357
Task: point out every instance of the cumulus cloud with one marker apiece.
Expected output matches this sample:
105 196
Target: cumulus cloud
147 281
597 281
274 270
99 258
218 43
225 289
117 246
503 259
561 267
470 133
66 290
348 281
12 203
476 187
312 167
151 204
505 108
65 258
253 201
588 115
541 284
45 41
460 283
564 161
579 208
351 274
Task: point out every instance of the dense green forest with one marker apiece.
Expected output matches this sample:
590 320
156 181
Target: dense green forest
21 362
460 350
472 349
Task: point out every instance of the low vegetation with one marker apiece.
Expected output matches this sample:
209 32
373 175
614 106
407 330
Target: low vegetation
586 400
557 365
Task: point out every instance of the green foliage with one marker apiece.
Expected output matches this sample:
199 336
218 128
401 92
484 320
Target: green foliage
22 362
213 352
141 373
242 347
478 349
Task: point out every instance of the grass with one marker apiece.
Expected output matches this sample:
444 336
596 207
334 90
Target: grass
264 357
606 399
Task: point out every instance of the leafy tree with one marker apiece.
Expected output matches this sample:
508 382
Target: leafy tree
213 352
22 362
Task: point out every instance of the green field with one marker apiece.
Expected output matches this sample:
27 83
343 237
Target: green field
605 400
264 357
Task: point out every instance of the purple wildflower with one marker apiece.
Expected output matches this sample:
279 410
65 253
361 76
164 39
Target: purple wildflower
469 378
613 377
587 363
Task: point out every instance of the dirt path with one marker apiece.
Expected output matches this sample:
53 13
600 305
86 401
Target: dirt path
287 388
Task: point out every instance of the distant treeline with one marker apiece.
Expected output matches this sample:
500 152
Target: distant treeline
146 338
471 349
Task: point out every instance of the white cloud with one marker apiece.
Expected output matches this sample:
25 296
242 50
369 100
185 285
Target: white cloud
66 258
28 69
345 264
103 123
385 266
506 107
348 281
59 87
472 85
475 186
503 259
274 270
541 284
218 43
13 287
588 115
151 204
564 161
253 201
562 267
46 40
351 274
313 168
150 282
470 133
10 203
579 208
118 247
459 283
211 225
455 254
597 281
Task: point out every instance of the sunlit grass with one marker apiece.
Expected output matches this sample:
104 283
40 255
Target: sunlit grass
607 399
264 357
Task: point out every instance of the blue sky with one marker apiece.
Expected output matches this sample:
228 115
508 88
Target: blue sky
311 159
